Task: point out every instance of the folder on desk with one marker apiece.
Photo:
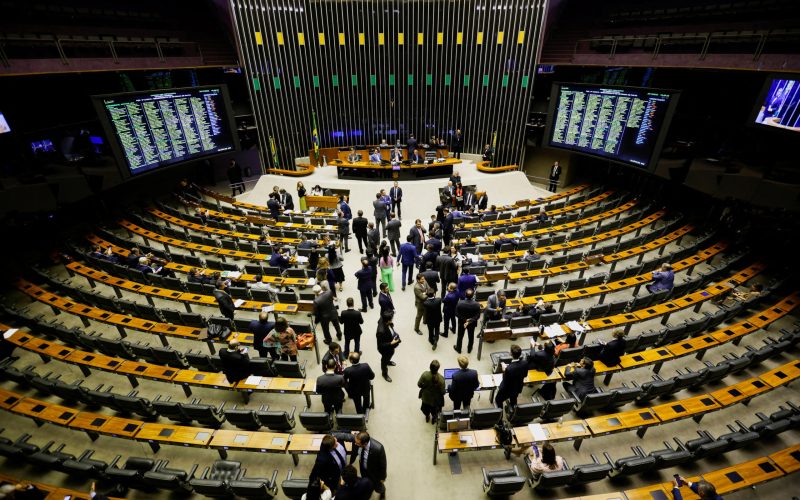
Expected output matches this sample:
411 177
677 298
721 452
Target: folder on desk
238 303
8 333
554 330
253 380
538 432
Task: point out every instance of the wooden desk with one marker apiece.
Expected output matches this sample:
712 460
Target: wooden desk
787 459
743 475
689 346
136 369
742 391
95 424
782 374
652 492
639 419
157 434
456 441
8 399
262 442
571 430
694 407
41 411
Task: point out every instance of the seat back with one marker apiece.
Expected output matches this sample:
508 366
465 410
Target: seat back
525 412
294 488
555 479
557 408
166 481
204 414
356 422
212 488
243 419
485 418
589 473
276 420
171 410
253 488
290 369
316 421
596 400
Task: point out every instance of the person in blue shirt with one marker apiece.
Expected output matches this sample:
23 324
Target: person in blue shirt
388 202
703 489
366 282
375 156
449 303
466 282
345 207
408 256
278 260
662 280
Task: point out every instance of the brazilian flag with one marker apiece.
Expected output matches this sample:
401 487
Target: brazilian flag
274 152
315 134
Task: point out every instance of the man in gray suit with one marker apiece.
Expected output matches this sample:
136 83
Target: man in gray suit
331 387
393 232
379 212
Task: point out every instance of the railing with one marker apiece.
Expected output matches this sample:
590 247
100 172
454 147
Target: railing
680 43
67 49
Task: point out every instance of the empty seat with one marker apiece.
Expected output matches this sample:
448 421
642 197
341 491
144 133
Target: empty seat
255 487
290 369
294 487
524 413
485 418
316 421
215 481
557 408
354 422
170 479
588 473
627 466
204 414
502 482
131 474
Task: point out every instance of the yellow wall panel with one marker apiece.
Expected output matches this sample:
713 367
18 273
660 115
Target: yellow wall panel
279 36
322 38
401 38
459 38
341 38
301 39
361 39
479 39
499 38
521 37
259 39
439 38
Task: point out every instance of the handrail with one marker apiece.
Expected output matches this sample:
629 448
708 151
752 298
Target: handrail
486 166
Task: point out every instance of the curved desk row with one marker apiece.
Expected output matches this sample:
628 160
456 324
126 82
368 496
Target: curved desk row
368 170
486 166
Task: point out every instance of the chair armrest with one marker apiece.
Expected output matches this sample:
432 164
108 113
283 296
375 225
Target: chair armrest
205 473
291 413
289 475
274 478
221 407
86 454
192 471
608 458
680 444
115 461
485 476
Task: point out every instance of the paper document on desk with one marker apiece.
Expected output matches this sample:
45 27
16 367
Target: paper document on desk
230 274
577 327
8 333
518 234
253 380
312 281
472 256
538 432
238 303
288 224
554 330
302 259
267 309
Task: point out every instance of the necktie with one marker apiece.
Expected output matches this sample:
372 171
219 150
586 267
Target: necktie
339 459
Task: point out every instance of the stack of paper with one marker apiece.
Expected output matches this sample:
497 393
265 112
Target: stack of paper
253 380
312 281
230 274
554 330
302 259
576 327
238 303
538 432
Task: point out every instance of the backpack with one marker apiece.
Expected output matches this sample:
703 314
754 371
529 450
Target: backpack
216 331
504 434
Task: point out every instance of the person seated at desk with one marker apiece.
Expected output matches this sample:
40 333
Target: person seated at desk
274 206
418 158
316 190
23 490
259 284
203 214
495 306
703 489
197 276
396 157
305 242
492 210
488 153
353 156
613 350
662 280
541 461
499 242
570 341
97 253
132 260
542 217
279 260
384 144
375 156
582 377
732 297
537 309
531 255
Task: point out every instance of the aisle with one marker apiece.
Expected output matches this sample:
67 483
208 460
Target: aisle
396 420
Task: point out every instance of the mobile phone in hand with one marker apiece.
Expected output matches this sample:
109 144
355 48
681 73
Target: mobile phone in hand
678 479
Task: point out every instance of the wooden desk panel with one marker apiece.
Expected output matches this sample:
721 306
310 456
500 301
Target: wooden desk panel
174 434
144 370
264 442
105 424
8 399
456 441
743 475
305 443
689 346
202 379
787 459
653 492
741 391
646 357
685 408
624 421
564 431
43 411
93 360
782 374
48 349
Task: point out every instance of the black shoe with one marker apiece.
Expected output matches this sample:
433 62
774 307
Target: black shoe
339 338
457 349
363 310
443 335
374 294
371 306
326 341
387 378
404 289
391 363
418 332
427 418
507 453
346 251
434 346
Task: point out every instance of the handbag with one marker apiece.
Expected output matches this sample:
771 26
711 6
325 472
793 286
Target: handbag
216 331
305 341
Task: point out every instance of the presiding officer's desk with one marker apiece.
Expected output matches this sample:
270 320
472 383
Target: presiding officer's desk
366 169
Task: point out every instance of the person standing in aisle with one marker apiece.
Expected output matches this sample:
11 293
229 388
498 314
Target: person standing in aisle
468 313
386 265
235 178
431 392
379 212
343 229
365 284
393 233
408 257
360 230
388 340
433 317
555 173
396 194
352 321
458 141
421 290
301 196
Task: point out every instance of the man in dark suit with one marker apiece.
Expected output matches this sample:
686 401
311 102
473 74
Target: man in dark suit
411 145
385 299
555 173
224 300
334 354
274 205
393 233
582 377
544 360
430 275
235 362
277 259
360 230
417 234
396 194
408 256
354 487
429 257
371 458
329 386
513 378
325 312
379 212
329 464
464 384
373 238
352 321
448 268
433 317
613 350
365 284
387 340
458 142
483 201
488 154
343 230
357 378
469 199
260 328
467 314
286 200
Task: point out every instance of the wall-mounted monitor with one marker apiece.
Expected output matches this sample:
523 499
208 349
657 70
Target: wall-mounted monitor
778 105
623 124
42 147
4 128
149 130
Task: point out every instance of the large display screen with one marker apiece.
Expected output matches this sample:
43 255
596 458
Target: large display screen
624 124
4 128
779 106
158 128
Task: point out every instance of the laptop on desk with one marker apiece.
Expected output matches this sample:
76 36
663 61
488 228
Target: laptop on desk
448 377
